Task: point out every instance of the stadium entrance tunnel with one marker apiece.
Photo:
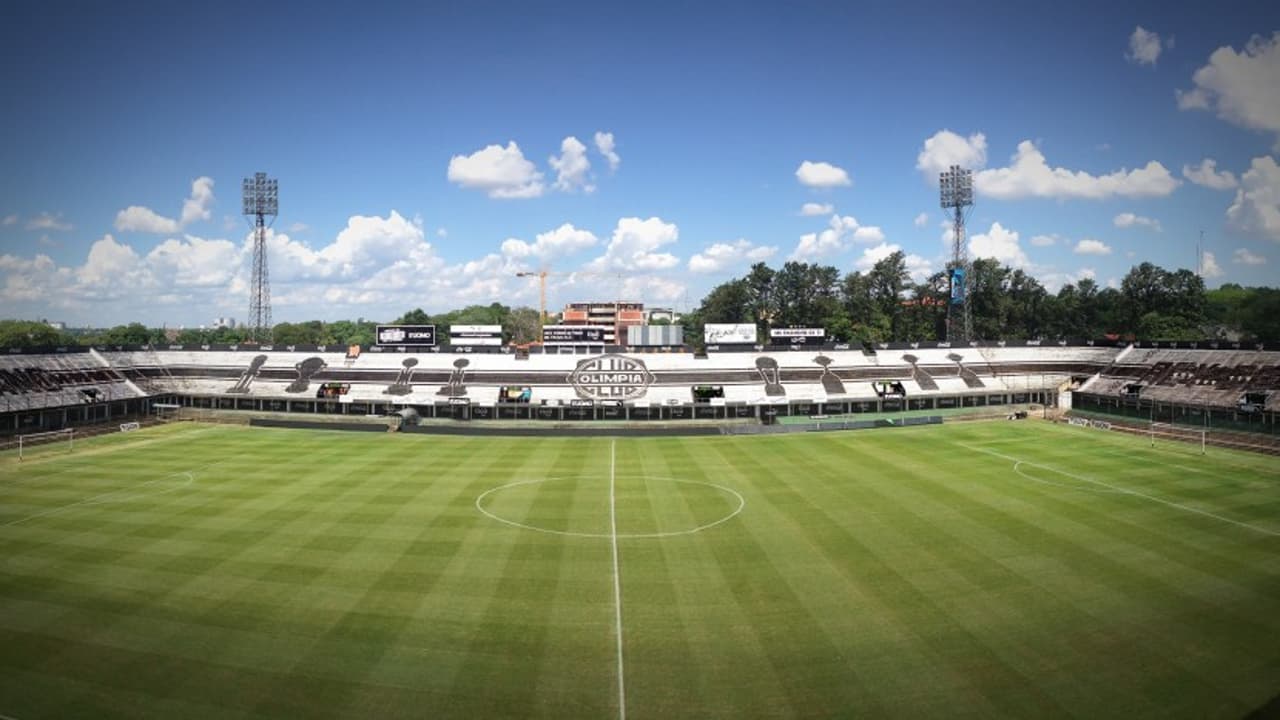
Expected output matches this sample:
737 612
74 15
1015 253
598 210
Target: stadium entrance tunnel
645 506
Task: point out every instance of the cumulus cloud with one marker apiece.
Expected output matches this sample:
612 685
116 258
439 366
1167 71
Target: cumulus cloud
921 220
1043 240
377 266
1242 256
1128 219
721 256
572 166
605 146
1053 281
564 240
822 175
810 209
1256 209
946 148
918 267
1001 244
1206 174
1144 47
634 246
1209 267
195 262
198 206
840 232
1029 175
44 221
502 172
1089 246
1240 86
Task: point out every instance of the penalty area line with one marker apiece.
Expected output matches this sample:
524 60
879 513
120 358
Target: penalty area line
1121 490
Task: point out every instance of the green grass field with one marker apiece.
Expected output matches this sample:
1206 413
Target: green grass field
984 569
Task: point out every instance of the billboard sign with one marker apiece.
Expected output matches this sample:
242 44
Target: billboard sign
406 335
797 336
730 333
957 286
574 334
489 335
611 377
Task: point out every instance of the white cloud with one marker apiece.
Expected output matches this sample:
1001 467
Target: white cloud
1242 256
572 166
1128 219
821 174
137 218
442 232
634 245
605 146
1053 281
1029 175
299 227
868 234
564 240
198 206
1043 240
1206 175
1144 47
1089 246
9 220
946 148
1241 87
1000 244
840 231
1209 267
195 262
44 221
500 172
1256 208
921 220
810 209
721 256
918 267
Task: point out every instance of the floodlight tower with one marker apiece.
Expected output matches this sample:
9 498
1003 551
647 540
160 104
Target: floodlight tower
262 203
956 192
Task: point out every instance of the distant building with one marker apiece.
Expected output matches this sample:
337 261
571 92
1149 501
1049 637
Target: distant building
225 322
56 324
653 315
617 315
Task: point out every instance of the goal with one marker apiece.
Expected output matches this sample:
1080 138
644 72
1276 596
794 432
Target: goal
52 438
166 412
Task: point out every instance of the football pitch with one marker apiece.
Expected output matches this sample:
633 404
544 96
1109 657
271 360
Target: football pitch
1018 569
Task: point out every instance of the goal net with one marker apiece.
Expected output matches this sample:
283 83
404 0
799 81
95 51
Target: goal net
54 440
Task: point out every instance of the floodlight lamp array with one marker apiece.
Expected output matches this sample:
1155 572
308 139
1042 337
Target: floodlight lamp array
261 195
956 187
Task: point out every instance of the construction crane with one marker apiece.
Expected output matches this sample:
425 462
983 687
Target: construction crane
542 283
542 289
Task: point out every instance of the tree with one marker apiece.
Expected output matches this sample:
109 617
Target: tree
523 325
888 279
728 302
27 334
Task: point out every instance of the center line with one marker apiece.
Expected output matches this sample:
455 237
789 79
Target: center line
617 578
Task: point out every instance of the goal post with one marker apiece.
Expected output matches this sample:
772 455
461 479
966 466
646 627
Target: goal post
30 441
1179 433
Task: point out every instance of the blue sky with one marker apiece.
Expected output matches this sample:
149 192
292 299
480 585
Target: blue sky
127 132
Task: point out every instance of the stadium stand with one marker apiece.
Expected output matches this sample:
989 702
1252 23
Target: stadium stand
615 383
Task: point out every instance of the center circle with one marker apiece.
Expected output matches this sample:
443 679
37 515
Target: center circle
594 491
